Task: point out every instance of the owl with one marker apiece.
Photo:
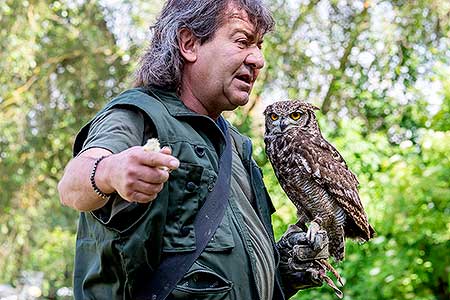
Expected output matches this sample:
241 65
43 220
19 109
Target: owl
314 175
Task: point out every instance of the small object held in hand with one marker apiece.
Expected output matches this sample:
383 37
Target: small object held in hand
153 145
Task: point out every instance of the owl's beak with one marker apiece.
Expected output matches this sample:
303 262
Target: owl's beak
283 124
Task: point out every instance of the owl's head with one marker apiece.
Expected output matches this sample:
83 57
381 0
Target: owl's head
283 116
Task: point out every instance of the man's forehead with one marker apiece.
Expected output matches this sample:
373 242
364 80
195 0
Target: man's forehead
237 16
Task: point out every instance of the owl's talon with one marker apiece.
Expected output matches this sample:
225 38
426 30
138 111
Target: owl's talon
330 283
326 265
313 228
319 240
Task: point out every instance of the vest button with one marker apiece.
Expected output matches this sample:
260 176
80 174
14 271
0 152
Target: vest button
190 186
211 182
185 231
200 151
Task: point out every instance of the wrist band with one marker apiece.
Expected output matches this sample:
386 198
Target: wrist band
92 179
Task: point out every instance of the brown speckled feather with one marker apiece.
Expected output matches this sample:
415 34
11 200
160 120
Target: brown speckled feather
331 172
313 173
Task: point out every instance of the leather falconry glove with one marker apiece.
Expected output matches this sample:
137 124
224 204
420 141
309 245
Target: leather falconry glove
301 263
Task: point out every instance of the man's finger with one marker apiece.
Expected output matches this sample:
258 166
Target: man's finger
146 188
166 150
154 175
157 159
141 197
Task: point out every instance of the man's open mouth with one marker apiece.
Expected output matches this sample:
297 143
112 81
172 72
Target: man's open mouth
245 78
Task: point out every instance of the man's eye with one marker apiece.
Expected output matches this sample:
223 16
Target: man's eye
242 42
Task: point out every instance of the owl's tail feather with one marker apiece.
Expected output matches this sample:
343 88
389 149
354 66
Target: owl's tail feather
358 228
371 232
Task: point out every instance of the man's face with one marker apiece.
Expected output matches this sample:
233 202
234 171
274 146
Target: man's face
227 65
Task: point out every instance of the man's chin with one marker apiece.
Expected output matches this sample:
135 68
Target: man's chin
240 99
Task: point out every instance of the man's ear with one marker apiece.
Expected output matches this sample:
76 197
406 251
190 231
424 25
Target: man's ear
188 44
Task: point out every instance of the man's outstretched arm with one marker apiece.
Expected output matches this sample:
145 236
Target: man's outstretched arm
136 175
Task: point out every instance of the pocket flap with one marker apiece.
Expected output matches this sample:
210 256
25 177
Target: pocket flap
223 238
202 283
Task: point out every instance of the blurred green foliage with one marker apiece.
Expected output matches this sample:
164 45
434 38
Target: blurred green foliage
380 71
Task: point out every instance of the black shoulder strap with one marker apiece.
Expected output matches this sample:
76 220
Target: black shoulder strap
172 269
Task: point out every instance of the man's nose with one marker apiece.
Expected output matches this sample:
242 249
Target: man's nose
255 58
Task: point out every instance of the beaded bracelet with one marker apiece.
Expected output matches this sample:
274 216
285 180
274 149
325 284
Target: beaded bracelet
92 179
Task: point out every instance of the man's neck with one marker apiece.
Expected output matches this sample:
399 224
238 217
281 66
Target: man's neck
194 104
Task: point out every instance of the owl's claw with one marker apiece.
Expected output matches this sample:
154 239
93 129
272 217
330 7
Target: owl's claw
326 265
330 283
320 274
311 234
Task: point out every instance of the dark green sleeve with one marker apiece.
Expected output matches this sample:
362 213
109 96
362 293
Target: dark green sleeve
117 129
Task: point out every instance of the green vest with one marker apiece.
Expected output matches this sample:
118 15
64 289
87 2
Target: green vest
120 243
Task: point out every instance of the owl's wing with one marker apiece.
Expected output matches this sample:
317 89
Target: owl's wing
328 168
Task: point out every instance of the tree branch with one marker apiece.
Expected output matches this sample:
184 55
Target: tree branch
361 26
52 61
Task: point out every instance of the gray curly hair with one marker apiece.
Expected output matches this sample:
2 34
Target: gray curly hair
162 64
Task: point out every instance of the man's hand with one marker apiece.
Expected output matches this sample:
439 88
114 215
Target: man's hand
299 265
135 174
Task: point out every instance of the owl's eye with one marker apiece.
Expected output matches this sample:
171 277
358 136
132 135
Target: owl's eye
295 116
274 117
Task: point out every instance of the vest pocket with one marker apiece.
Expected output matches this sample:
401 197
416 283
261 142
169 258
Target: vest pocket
201 282
222 240
120 215
187 188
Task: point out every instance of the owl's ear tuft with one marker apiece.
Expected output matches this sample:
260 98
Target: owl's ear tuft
306 105
266 111
312 107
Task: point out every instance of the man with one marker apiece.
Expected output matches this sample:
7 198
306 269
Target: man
139 208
